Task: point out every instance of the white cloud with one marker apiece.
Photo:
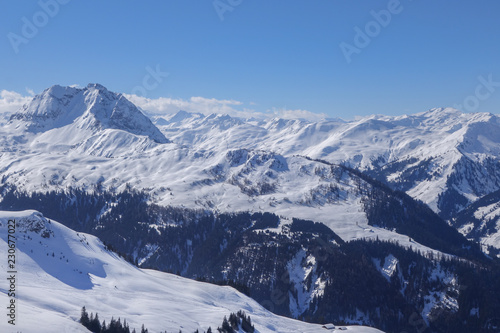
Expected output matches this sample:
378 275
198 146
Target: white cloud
11 101
30 91
208 106
299 114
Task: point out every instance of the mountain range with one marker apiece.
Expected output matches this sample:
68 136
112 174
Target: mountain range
442 157
424 184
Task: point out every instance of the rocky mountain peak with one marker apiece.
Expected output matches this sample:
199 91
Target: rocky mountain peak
93 107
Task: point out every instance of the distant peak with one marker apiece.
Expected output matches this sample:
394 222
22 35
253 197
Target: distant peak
440 112
96 86
447 110
57 90
223 116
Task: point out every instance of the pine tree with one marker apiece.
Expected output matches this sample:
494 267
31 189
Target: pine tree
95 324
246 323
226 327
233 321
126 329
84 317
112 326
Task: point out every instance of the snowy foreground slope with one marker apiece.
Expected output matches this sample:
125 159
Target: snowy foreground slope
60 270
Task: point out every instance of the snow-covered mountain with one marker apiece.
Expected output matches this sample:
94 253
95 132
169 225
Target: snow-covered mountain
60 271
443 157
90 118
437 143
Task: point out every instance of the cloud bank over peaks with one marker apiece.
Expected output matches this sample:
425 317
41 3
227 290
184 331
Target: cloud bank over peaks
298 114
206 106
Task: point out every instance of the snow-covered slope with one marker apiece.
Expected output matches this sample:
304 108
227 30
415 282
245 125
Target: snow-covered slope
59 271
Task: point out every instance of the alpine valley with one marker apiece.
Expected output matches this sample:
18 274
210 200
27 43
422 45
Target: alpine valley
387 222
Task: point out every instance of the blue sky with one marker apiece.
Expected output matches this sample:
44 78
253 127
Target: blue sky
262 55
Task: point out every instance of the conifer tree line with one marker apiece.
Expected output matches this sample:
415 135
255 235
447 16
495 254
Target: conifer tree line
236 322
93 324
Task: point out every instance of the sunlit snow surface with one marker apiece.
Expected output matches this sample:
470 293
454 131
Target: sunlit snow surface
60 270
